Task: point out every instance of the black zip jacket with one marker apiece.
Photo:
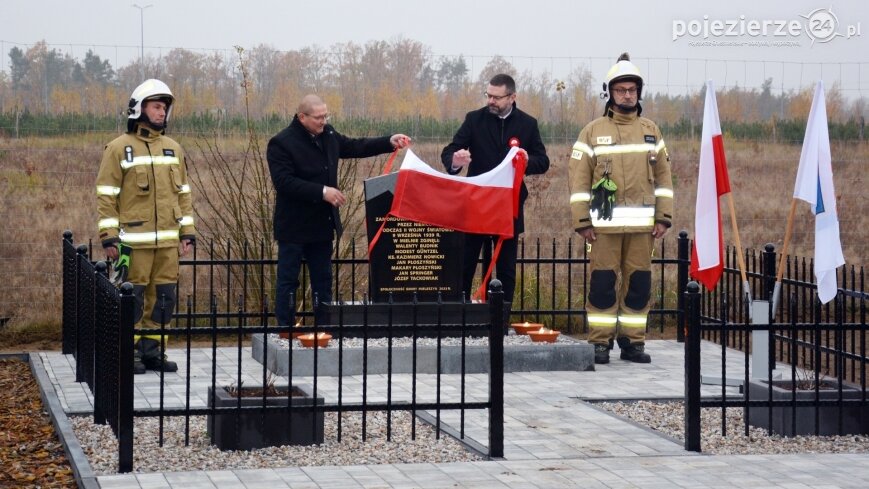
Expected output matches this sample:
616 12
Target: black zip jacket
300 166
487 137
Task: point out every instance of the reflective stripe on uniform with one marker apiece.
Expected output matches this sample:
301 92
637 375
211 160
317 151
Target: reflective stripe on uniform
154 337
624 148
580 197
108 190
147 160
579 148
601 320
616 148
149 237
664 192
626 216
107 223
187 221
185 189
632 320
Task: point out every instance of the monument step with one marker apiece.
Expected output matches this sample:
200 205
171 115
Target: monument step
574 356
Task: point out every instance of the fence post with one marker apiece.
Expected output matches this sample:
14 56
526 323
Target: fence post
80 254
681 283
496 369
125 379
69 298
692 368
769 275
99 346
768 270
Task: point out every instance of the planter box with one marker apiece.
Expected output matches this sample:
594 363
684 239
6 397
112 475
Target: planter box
855 418
258 429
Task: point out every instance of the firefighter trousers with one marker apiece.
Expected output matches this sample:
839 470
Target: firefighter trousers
620 287
154 275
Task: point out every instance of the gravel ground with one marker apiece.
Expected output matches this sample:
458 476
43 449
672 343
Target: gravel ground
101 446
665 417
669 419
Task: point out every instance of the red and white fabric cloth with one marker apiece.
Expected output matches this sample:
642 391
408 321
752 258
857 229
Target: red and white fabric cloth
707 255
482 204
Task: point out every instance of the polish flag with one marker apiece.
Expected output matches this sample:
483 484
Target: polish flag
707 255
482 204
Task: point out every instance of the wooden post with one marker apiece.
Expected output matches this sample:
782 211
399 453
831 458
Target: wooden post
739 256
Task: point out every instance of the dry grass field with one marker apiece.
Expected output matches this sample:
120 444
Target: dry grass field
48 186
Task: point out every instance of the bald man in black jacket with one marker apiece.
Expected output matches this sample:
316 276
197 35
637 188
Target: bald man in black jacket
303 163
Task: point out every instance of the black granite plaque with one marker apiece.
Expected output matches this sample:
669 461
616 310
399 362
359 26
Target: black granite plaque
409 257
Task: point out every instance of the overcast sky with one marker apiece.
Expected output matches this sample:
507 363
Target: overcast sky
553 35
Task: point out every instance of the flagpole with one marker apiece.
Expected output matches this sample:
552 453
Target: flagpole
739 256
784 252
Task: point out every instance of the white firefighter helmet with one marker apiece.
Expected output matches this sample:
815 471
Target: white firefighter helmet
148 90
623 70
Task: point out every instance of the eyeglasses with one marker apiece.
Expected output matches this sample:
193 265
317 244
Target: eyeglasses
496 98
624 91
319 118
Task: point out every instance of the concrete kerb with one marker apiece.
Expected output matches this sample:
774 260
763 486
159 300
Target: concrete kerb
469 443
594 404
577 356
81 468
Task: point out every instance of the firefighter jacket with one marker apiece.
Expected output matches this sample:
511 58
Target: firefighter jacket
142 191
631 150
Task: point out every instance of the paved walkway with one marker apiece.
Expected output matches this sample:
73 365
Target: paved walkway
553 437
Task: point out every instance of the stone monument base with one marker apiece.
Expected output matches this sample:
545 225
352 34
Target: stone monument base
578 356
426 315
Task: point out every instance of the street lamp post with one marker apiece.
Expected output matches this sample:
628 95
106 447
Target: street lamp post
142 35
560 87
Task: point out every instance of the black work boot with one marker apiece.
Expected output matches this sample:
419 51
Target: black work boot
633 352
601 354
138 366
150 350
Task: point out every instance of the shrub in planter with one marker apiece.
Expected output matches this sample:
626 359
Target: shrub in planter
250 428
855 417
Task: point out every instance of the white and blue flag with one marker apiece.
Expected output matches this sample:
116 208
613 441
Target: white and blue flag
815 186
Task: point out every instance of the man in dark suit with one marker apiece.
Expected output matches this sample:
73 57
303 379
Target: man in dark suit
303 162
486 134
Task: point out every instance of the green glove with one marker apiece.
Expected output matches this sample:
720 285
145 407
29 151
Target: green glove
122 266
603 197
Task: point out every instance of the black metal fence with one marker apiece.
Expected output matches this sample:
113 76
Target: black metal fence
551 281
95 313
103 324
820 348
826 341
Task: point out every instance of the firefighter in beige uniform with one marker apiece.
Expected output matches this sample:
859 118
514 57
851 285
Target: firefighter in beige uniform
621 200
144 202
